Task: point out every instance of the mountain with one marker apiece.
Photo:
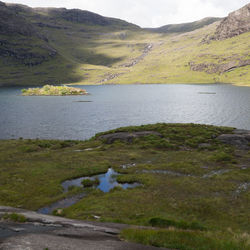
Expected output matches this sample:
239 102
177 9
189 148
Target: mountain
20 39
37 47
59 46
236 23
185 27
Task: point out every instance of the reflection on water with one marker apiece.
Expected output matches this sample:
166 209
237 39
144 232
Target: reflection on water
107 182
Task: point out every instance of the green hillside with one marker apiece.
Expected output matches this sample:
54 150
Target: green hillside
185 27
51 46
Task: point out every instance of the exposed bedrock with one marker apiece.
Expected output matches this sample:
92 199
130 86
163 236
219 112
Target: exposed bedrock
126 136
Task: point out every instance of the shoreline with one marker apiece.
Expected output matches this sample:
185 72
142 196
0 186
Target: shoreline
239 84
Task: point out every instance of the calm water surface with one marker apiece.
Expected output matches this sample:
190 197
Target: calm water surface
112 106
107 182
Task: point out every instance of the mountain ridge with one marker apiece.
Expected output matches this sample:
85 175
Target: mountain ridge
56 45
185 27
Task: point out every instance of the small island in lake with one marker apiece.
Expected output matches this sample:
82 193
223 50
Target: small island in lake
49 90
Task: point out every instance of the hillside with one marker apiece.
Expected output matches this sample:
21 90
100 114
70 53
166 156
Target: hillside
185 27
51 46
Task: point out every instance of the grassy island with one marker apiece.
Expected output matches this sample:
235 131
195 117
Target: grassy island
49 90
194 188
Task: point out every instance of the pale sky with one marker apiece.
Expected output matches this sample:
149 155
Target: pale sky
147 13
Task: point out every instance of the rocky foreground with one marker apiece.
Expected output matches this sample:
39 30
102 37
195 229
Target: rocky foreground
192 193
51 232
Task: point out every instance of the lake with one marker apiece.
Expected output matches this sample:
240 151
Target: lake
112 106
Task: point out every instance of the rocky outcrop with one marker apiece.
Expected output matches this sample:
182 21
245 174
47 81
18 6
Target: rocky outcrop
240 139
212 68
236 23
51 232
109 77
136 60
126 136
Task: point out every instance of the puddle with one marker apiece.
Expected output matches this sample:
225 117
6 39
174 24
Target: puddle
107 182
67 202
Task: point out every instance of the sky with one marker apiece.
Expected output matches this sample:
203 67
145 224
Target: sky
147 13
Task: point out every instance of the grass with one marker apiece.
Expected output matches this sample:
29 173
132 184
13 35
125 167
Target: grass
90 183
49 90
160 222
187 240
14 217
187 196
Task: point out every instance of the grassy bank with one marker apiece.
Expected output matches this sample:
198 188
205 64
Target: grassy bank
190 181
188 240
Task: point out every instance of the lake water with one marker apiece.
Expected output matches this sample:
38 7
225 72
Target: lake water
112 106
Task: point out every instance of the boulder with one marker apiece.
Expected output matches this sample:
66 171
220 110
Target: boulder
240 139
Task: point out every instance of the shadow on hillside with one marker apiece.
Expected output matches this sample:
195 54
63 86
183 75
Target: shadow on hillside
97 59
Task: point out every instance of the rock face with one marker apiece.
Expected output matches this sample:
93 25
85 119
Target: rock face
126 136
212 68
52 232
240 139
236 23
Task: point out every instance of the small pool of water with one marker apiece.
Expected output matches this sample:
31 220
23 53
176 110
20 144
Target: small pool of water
107 182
